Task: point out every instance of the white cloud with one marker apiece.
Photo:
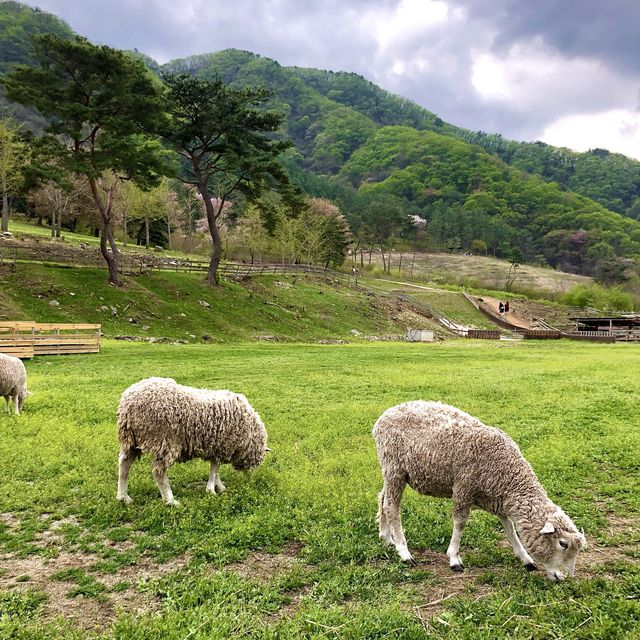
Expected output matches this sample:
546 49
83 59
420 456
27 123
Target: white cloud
533 77
409 19
616 130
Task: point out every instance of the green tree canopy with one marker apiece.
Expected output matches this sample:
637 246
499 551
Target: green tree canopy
228 146
101 105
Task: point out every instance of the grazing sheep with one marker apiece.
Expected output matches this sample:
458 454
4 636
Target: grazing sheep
441 451
13 382
175 423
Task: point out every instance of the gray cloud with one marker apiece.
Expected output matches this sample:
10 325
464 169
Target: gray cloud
508 66
586 28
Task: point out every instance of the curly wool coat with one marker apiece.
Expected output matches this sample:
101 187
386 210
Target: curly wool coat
442 451
176 423
13 381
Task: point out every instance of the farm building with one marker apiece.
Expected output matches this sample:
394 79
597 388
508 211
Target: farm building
624 328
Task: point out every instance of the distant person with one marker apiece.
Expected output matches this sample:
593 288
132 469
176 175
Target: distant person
353 271
506 307
501 308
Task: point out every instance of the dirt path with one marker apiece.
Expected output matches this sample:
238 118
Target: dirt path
515 315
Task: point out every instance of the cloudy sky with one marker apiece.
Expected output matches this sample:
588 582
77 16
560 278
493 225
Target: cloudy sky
563 71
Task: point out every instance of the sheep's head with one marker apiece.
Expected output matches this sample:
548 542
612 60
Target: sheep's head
22 395
554 544
252 451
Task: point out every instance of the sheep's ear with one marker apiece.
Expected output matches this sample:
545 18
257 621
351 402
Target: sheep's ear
548 528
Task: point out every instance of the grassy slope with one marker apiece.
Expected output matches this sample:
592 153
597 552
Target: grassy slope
572 407
167 303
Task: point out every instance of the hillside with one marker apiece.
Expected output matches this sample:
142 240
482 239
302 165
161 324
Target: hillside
355 141
180 306
382 158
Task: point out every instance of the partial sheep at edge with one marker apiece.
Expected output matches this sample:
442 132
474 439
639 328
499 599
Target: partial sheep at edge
13 382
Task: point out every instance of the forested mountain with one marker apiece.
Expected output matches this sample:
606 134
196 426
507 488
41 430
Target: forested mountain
358 144
382 158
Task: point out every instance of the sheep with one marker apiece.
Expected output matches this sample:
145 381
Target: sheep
175 423
13 382
441 451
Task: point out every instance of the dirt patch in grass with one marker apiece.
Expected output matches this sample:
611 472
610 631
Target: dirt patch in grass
433 593
598 559
9 521
264 566
116 591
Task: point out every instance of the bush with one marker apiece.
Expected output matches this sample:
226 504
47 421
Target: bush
599 297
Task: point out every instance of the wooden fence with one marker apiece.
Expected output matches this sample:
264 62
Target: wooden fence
25 339
542 334
131 263
483 334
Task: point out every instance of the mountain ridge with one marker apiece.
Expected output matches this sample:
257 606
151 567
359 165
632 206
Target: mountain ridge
477 191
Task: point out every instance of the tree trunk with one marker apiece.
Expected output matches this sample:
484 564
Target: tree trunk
5 211
106 237
146 232
53 224
216 256
169 233
124 229
110 258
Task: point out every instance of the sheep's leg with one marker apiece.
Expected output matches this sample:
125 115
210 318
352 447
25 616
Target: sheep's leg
391 509
519 551
215 483
7 410
383 522
16 404
125 460
159 471
460 516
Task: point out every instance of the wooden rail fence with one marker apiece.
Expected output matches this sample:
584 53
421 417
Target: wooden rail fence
139 263
25 339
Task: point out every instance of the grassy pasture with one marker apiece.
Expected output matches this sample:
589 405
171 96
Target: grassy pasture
291 550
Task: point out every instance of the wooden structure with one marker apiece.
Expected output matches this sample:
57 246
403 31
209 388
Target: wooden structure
624 328
541 334
484 334
25 339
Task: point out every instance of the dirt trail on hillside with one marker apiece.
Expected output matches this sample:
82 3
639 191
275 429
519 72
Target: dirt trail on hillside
515 315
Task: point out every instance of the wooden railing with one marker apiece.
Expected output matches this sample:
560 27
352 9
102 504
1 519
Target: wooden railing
25 339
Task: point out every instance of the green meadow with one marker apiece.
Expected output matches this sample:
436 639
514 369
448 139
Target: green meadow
291 550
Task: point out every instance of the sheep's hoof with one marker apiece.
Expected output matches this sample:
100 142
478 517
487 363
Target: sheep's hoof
125 499
173 503
385 539
220 488
410 561
457 567
530 566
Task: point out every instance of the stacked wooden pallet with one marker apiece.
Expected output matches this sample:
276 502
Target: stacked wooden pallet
25 339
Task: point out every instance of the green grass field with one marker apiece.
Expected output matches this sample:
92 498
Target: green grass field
291 550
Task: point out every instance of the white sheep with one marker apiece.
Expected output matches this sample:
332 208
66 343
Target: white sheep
13 382
175 423
441 451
